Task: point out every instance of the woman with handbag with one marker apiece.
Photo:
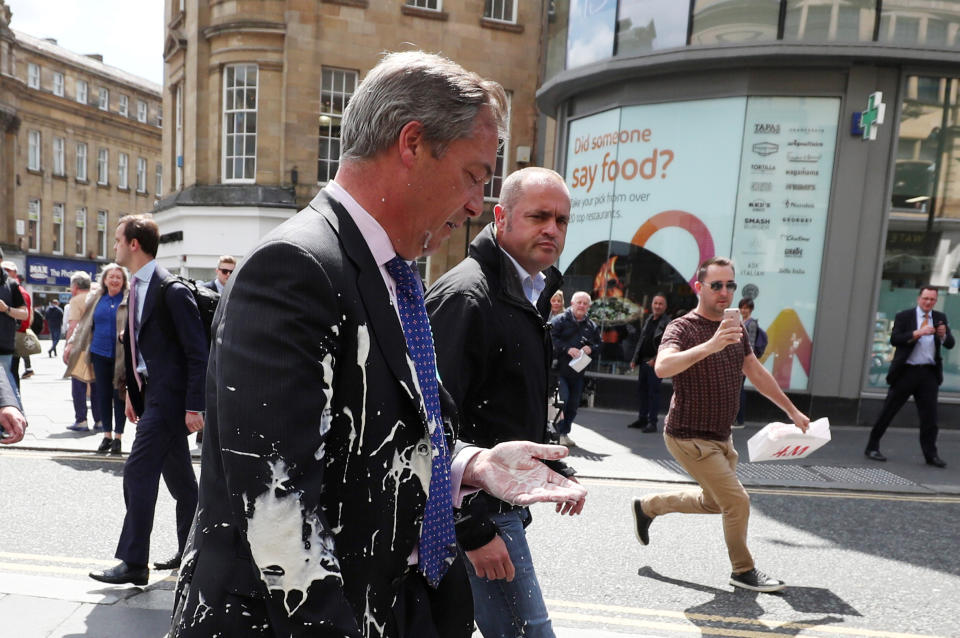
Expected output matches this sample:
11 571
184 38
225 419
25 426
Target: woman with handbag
94 343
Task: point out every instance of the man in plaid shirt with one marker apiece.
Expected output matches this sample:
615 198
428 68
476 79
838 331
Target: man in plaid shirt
706 355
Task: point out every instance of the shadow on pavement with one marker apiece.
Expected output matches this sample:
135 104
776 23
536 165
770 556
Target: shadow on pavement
110 621
873 535
67 434
93 463
741 609
581 453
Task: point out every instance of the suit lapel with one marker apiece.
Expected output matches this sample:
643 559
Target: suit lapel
381 316
152 296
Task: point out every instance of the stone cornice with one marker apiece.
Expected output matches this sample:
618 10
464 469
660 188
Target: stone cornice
230 195
244 26
75 108
175 41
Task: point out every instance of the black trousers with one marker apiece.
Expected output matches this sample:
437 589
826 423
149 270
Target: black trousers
445 612
921 383
160 449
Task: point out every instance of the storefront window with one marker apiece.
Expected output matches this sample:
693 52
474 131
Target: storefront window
923 245
734 21
932 24
744 177
830 20
648 25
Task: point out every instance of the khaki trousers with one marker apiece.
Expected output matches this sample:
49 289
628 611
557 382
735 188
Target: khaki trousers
712 464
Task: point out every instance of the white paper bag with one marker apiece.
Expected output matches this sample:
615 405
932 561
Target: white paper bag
783 441
580 362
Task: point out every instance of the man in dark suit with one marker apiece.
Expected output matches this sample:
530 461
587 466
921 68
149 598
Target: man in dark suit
165 349
917 370
225 267
325 498
644 357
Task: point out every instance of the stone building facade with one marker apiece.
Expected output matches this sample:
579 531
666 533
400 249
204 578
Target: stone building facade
254 92
79 148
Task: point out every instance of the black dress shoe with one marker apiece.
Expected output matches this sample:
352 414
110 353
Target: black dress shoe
637 424
170 563
874 455
650 429
936 461
123 573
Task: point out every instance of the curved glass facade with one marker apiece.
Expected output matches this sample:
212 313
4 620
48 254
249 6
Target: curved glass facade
582 32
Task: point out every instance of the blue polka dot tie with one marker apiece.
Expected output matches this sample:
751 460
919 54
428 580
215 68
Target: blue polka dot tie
438 543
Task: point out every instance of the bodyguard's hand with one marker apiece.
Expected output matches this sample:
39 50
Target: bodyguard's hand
492 561
13 423
194 421
942 330
66 353
512 472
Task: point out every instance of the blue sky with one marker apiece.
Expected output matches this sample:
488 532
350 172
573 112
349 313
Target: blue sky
129 35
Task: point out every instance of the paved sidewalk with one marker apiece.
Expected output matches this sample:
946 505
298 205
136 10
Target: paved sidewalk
48 406
35 606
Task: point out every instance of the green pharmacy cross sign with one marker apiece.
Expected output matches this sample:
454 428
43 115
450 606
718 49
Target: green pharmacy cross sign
865 123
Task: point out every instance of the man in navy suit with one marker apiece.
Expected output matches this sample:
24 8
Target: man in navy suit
325 417
165 349
917 370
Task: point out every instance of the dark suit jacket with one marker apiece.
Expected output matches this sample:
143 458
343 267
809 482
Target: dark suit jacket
316 453
212 285
657 335
174 347
903 326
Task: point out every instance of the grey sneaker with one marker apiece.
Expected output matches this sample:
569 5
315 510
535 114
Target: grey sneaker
756 580
641 523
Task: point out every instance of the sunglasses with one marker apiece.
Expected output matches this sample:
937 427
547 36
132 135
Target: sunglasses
225 271
717 286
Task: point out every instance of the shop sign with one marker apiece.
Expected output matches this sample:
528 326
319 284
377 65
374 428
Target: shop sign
51 271
865 123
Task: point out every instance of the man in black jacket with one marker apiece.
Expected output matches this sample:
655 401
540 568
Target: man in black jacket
917 370
493 354
574 334
643 358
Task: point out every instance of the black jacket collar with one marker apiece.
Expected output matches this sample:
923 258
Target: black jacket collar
486 250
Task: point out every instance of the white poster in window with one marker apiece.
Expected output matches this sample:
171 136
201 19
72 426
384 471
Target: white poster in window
659 178
782 205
